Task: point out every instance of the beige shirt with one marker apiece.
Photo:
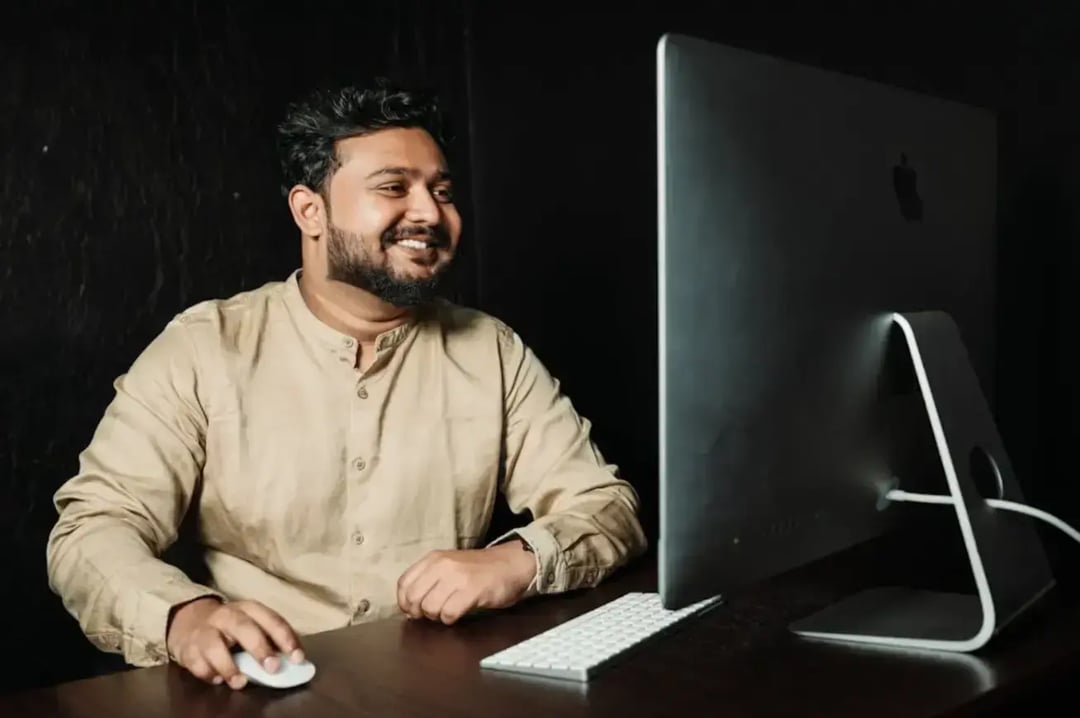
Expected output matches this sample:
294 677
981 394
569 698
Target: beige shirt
317 484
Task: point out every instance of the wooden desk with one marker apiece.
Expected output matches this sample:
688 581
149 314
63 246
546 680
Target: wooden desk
736 661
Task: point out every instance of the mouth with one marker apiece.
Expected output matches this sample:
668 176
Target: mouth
417 244
418 251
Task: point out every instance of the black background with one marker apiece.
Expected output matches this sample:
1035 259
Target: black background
138 177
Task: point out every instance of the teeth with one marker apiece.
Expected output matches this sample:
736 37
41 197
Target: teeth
413 243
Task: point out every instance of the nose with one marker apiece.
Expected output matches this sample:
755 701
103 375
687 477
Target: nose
423 209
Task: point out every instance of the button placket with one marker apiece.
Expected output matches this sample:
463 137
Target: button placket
359 429
363 429
347 353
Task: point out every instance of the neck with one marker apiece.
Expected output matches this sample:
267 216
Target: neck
350 310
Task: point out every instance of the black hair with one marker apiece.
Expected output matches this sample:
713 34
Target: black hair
307 137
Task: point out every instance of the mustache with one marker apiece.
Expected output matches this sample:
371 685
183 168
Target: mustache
437 235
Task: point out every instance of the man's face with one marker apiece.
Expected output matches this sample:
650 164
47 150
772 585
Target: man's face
393 226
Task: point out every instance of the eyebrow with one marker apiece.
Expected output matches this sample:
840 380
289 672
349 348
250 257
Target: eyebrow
441 175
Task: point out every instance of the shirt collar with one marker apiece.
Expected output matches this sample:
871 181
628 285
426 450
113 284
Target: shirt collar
330 338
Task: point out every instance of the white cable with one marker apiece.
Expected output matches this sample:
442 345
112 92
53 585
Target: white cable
899 495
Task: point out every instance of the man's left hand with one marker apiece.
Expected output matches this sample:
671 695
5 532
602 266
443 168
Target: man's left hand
446 585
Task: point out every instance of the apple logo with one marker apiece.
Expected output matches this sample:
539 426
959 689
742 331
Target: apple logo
907 192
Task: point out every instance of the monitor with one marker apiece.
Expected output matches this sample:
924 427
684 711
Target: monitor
826 257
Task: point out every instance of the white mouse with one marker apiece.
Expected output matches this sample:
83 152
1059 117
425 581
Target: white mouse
288 674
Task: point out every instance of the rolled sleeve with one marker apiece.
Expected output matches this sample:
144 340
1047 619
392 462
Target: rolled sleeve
548 558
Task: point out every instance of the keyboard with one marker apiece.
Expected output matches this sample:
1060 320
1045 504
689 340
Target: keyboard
578 649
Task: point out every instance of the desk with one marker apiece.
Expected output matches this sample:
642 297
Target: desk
735 661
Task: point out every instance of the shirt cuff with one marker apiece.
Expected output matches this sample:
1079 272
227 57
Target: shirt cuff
551 576
145 642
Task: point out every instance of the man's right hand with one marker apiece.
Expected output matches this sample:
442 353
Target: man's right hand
203 632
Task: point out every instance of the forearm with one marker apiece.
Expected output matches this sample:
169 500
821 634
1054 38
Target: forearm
583 542
114 585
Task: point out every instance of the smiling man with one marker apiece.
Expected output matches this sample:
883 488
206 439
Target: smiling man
342 434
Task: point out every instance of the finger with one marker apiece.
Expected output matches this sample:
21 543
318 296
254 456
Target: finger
277 629
216 653
411 575
456 605
418 590
407 579
250 636
197 666
431 605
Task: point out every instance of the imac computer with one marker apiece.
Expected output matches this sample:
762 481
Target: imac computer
820 236
826 260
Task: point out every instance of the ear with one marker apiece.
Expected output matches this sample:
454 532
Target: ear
308 210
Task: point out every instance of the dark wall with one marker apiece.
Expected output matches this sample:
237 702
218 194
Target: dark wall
138 177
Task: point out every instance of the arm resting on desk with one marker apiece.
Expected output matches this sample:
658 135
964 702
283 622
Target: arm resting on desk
123 508
585 517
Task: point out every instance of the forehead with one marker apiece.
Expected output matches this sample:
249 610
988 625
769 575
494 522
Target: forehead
396 147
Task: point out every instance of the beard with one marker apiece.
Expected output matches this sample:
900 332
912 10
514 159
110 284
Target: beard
350 261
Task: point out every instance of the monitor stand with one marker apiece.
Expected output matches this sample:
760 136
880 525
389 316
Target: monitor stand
1009 566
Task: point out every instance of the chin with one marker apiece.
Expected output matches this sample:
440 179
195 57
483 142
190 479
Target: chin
420 273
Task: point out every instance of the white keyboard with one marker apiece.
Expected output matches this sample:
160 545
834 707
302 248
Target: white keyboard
577 649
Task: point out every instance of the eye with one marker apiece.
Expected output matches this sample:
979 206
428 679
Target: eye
393 189
443 194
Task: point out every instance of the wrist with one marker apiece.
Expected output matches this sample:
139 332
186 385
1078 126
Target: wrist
187 613
523 557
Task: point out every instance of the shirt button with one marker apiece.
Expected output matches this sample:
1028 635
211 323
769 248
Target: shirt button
348 343
363 607
358 538
362 392
359 464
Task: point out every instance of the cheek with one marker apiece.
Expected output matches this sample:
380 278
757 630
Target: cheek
378 220
372 218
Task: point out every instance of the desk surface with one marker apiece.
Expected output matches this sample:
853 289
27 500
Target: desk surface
737 660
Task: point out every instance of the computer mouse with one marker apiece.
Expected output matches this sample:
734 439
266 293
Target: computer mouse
288 674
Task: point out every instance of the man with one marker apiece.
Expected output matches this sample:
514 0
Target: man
341 434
